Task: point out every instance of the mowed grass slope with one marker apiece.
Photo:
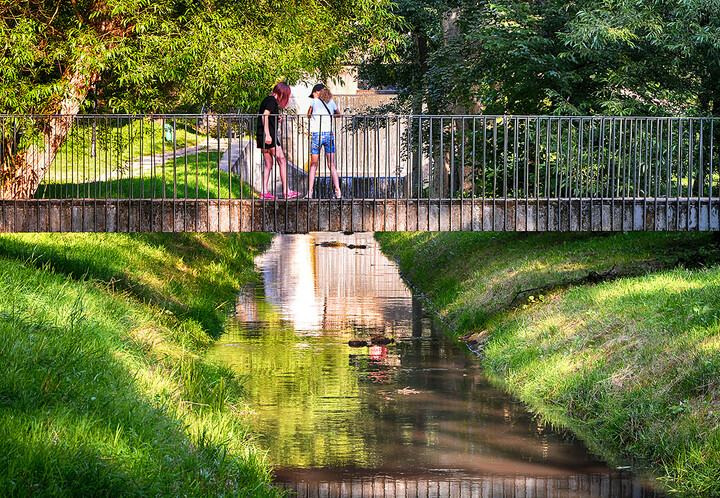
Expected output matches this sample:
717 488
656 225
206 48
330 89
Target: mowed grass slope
104 390
615 336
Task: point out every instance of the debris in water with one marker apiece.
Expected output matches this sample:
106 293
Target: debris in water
331 243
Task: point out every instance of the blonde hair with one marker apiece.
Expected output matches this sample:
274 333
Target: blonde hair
326 95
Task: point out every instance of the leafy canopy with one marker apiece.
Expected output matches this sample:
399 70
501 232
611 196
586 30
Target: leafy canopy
618 57
165 55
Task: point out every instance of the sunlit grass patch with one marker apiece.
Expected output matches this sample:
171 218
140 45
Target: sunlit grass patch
630 363
104 393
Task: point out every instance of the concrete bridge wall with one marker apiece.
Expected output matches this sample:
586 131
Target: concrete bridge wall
300 216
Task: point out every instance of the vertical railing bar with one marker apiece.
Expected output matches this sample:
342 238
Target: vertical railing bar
431 168
657 171
441 167
252 146
548 167
365 162
141 177
591 166
451 185
107 138
72 187
700 181
645 170
387 169
579 179
634 165
612 162
484 170
568 171
196 128
473 164
690 156
536 183
710 172
506 146
668 159
495 171
526 169
623 177
679 173
131 156
461 172
407 190
153 173
163 183
649 165
229 153
118 128
419 170
185 178
378 171
398 168
516 170
558 175
174 156
206 127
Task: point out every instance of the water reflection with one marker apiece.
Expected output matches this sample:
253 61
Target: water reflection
414 418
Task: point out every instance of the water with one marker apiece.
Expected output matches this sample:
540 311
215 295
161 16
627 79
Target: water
416 417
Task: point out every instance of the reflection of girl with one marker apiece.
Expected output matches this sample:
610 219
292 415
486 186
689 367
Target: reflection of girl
320 113
266 135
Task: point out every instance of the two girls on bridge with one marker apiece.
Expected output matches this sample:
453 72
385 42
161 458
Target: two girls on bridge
321 113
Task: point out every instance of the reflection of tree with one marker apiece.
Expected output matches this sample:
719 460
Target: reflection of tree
421 403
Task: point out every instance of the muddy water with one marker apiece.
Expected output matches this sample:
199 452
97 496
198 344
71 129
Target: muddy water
415 417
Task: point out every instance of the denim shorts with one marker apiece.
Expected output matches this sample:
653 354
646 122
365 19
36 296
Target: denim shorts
325 139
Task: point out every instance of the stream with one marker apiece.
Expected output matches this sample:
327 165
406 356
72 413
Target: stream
410 414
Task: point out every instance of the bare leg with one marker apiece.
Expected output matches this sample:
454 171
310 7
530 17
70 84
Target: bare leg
333 172
282 164
314 160
268 156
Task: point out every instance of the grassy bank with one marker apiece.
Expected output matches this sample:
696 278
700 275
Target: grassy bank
104 391
615 336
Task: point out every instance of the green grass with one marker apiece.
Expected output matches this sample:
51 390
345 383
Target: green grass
630 364
118 141
191 177
104 390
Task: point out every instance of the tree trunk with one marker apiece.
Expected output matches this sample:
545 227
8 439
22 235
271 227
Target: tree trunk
21 171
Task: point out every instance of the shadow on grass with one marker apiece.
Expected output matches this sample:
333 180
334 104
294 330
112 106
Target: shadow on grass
74 420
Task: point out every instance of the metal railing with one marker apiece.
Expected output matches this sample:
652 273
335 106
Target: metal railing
444 158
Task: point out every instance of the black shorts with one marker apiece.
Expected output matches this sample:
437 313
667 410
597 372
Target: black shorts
262 145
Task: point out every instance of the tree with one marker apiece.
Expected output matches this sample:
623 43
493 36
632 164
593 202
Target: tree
537 57
63 57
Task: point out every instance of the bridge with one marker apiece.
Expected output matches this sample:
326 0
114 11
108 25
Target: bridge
196 173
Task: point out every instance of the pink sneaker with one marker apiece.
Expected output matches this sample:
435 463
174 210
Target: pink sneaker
267 195
292 193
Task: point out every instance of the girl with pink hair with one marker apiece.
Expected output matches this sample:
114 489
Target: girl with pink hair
266 136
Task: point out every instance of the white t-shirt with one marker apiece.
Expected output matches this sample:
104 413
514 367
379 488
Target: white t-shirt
320 120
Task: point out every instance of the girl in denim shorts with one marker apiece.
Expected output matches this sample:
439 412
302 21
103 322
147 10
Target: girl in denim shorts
321 113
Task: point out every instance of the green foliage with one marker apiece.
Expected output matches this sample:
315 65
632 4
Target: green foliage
579 58
163 55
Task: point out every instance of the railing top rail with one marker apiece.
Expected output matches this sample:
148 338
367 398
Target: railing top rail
361 115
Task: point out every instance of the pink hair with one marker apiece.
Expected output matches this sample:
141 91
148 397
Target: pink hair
281 91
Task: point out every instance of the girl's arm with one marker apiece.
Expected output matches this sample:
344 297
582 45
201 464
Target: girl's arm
265 115
309 113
